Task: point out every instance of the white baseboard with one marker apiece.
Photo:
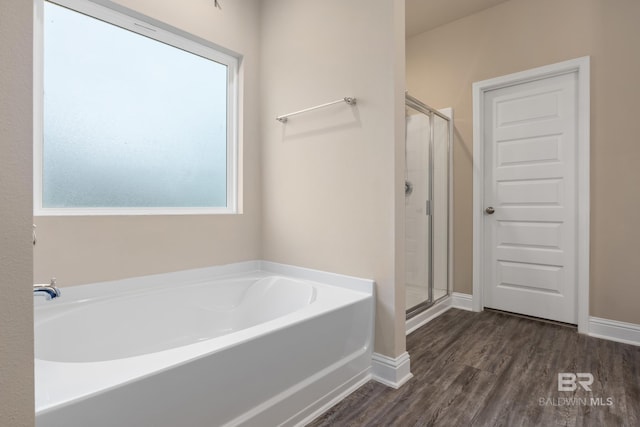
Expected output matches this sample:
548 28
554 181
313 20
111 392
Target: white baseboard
389 371
613 330
628 333
462 301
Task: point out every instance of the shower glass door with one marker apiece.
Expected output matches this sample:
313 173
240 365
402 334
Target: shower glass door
426 207
417 222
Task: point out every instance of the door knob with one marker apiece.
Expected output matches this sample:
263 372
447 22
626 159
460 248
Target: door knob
490 210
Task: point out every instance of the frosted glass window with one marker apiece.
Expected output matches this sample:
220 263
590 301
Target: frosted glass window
129 121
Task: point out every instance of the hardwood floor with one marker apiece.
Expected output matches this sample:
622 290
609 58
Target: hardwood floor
493 369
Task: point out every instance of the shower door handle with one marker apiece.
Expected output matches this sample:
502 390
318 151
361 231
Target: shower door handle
490 210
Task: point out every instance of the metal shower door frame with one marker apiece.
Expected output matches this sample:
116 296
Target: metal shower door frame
430 112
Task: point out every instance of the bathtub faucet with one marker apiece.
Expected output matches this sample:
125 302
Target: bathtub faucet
50 291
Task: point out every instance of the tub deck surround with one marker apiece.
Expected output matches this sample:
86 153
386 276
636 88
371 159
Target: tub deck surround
242 344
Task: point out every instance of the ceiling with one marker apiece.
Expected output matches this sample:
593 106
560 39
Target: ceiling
425 15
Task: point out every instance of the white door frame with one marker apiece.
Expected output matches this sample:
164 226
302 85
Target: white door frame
581 67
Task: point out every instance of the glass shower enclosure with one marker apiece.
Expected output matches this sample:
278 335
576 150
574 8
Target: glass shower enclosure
427 205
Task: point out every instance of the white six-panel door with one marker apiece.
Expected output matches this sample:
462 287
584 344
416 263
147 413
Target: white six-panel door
530 155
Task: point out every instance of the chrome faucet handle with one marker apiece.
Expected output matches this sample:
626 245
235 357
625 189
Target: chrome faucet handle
50 291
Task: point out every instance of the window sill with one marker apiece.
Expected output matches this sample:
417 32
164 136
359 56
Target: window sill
132 211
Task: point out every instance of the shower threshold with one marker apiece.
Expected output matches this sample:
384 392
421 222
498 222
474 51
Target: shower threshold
419 306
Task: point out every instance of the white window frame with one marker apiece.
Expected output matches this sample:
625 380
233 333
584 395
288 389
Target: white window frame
183 41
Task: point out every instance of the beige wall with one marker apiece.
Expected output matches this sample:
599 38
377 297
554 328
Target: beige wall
329 187
521 34
87 249
330 176
16 302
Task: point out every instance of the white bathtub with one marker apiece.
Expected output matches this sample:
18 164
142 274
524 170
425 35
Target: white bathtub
247 344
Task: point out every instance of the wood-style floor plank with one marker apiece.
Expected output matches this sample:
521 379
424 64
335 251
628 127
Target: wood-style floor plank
494 369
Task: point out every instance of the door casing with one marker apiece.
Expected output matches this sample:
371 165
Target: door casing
580 66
